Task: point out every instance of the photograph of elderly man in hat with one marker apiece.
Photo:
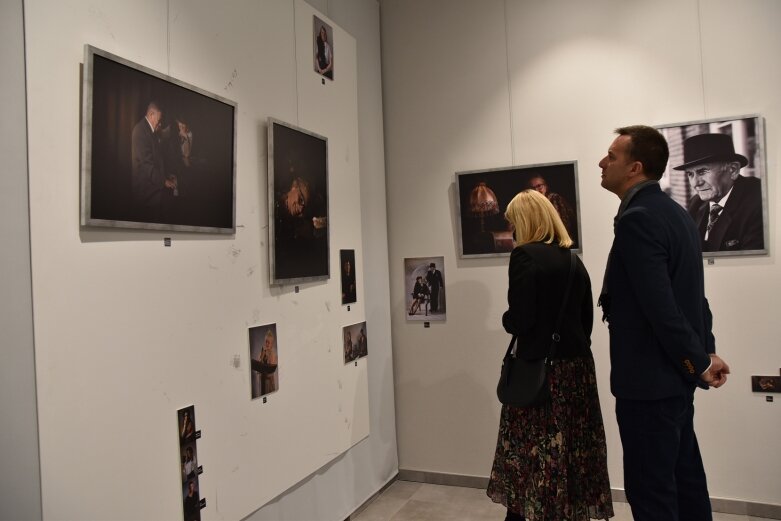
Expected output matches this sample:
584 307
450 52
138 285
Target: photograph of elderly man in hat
722 189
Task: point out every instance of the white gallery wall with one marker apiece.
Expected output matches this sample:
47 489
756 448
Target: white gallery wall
128 331
477 85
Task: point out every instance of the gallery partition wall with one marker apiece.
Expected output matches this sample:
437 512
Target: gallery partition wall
171 363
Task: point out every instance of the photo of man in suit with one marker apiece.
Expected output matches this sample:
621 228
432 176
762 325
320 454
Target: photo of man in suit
727 207
661 344
150 183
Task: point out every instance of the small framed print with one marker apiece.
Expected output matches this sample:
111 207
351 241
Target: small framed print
323 37
264 362
356 342
766 384
347 267
424 284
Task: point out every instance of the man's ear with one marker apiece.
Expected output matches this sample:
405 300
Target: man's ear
636 169
734 169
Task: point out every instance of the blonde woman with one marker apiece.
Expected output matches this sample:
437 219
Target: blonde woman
550 462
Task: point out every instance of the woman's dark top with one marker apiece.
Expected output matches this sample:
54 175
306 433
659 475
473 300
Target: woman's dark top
538 278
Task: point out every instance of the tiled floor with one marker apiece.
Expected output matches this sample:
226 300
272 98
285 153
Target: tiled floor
409 501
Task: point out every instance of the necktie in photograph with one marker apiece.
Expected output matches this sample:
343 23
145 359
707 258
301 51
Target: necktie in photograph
715 210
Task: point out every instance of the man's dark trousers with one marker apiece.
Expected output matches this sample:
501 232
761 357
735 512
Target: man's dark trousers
659 441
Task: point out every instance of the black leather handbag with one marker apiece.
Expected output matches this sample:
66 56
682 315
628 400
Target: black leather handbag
524 383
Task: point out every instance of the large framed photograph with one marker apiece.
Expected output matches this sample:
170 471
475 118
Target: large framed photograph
424 287
156 153
483 196
298 204
718 172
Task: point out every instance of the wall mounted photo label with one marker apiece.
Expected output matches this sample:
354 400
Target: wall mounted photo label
191 500
298 204
356 343
717 172
424 285
323 37
483 196
157 153
347 267
263 371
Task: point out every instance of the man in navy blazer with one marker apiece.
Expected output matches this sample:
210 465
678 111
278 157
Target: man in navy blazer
728 206
661 344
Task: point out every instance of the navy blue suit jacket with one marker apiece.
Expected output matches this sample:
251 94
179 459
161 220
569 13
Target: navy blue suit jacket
659 318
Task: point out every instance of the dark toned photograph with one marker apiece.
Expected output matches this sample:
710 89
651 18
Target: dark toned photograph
186 418
766 384
356 343
483 196
347 266
424 285
263 372
323 36
191 500
157 153
298 204
717 172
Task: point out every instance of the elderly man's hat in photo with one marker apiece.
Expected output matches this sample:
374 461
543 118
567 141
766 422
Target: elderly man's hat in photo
704 148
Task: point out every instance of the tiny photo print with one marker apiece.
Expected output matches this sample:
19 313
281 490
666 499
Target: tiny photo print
189 460
264 376
186 419
323 48
355 342
191 500
424 286
347 267
766 384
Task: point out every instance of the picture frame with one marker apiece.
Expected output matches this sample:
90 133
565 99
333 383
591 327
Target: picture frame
323 48
299 228
156 153
349 277
766 384
706 168
483 195
355 341
263 360
424 289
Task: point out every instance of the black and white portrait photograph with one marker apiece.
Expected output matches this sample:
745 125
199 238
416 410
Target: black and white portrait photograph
263 366
347 266
717 171
356 342
483 196
323 37
298 192
156 153
424 284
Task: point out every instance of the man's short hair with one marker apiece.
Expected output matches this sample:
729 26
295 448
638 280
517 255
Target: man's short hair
647 146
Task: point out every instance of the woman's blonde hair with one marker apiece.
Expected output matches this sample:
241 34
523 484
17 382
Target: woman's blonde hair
536 220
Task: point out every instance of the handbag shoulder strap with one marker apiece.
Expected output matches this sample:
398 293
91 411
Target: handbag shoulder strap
555 337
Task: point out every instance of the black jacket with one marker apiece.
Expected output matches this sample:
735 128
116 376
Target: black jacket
538 278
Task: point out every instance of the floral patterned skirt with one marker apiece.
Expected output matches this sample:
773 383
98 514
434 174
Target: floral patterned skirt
551 460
